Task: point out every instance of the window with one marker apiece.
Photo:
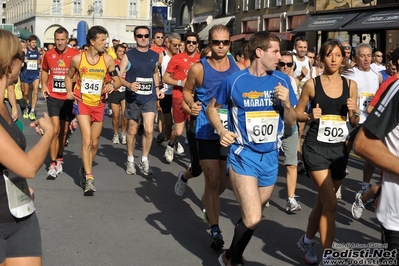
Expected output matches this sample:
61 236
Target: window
77 7
98 7
56 7
231 6
133 8
245 5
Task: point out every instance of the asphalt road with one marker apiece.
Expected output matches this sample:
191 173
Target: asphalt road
138 220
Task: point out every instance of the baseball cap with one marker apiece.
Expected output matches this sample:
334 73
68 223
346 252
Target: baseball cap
116 38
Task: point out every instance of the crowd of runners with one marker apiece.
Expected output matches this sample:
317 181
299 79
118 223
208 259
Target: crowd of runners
238 113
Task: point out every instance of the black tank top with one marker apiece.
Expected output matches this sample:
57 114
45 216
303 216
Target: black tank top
329 106
13 130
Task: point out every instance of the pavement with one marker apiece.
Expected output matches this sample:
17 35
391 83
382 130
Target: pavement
138 220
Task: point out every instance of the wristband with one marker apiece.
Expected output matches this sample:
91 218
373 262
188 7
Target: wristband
179 83
356 114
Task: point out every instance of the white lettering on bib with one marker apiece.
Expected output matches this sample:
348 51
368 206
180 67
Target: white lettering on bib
18 195
332 129
145 87
223 118
262 126
91 86
122 89
59 84
365 99
31 65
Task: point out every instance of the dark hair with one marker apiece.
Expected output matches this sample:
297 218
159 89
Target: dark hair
61 30
94 31
120 45
327 48
300 39
140 28
32 38
191 34
83 46
395 57
217 27
155 32
73 39
286 53
262 40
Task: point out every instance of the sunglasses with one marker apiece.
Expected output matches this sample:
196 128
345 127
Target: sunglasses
283 64
142 36
192 42
174 44
159 37
378 55
347 48
73 45
218 42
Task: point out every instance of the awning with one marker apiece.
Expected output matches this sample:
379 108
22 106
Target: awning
374 20
24 34
201 19
203 35
331 22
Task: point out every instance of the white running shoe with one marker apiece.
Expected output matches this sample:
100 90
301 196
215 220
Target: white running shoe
180 186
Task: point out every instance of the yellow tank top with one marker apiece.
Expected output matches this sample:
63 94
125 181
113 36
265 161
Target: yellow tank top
17 89
91 81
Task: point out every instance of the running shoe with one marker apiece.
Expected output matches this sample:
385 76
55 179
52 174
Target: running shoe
216 239
161 137
32 116
115 139
223 261
179 148
122 138
180 186
52 170
309 254
338 194
26 113
168 154
89 186
292 206
357 206
60 169
82 175
145 168
130 168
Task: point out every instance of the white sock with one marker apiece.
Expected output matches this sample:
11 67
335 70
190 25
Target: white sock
144 158
32 110
365 185
130 159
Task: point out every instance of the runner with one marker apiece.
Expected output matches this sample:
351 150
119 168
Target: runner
56 63
250 96
89 97
30 76
142 92
203 80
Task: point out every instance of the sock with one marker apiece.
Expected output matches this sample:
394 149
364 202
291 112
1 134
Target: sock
365 186
242 236
53 162
89 175
183 179
32 110
130 158
59 157
307 240
144 158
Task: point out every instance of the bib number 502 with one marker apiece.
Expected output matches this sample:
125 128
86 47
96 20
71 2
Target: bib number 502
333 132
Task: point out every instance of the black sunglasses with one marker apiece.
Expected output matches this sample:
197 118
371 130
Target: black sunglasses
174 44
347 48
142 36
218 42
283 64
192 42
159 37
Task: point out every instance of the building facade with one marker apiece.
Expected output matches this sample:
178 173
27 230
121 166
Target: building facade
42 17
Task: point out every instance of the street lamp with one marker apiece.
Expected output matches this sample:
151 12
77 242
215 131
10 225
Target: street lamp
94 8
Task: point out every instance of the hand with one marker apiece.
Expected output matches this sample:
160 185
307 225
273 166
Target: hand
316 112
108 88
70 96
282 93
352 105
227 138
45 92
160 94
134 86
14 113
196 108
304 71
43 125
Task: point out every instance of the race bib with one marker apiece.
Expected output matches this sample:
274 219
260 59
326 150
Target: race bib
59 84
122 89
262 126
332 129
365 99
31 65
91 86
145 87
223 115
18 195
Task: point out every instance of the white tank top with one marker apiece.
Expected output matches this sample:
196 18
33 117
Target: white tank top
167 89
298 69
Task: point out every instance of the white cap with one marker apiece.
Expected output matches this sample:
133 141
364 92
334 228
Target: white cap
116 38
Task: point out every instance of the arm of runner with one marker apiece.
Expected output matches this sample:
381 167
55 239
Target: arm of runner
226 137
306 96
44 81
194 79
122 67
157 82
13 102
110 87
73 68
353 109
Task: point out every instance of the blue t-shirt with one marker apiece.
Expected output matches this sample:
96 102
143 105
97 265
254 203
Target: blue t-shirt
205 93
254 113
31 64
